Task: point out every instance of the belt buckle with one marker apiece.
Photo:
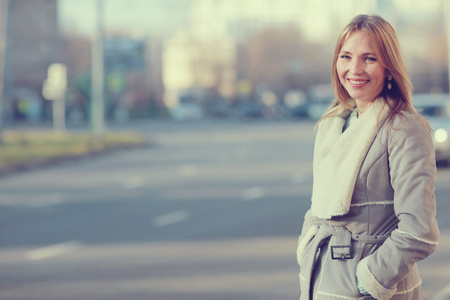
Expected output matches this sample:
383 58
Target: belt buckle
342 252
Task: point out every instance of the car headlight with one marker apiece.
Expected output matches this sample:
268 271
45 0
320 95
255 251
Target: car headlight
441 135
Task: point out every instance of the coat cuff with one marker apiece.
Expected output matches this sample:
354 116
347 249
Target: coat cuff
371 285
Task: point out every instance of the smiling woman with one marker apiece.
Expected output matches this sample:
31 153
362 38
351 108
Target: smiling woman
373 207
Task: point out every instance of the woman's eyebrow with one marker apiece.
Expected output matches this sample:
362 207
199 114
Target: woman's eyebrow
363 54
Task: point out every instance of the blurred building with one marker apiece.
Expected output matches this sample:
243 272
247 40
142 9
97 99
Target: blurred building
33 44
192 64
132 71
238 37
133 74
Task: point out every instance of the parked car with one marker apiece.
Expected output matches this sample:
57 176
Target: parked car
320 98
187 112
436 109
188 108
246 109
296 104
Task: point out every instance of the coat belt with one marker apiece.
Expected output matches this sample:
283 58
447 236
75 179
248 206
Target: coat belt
341 240
340 243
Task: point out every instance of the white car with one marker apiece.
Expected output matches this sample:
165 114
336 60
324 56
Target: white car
436 109
187 112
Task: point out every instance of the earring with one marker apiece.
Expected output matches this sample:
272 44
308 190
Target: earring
389 85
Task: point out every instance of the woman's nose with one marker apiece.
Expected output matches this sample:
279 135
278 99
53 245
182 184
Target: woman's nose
356 66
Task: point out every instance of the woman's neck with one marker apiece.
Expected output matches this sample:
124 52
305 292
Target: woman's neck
362 106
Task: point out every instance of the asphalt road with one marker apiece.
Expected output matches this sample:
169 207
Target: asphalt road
212 211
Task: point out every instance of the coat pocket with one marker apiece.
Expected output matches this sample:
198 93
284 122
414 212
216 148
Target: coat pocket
338 278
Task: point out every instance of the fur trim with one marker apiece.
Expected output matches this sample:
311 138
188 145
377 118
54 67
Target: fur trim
342 297
418 238
410 289
373 203
338 156
304 241
369 282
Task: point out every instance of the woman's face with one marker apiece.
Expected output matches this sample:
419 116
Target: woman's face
359 69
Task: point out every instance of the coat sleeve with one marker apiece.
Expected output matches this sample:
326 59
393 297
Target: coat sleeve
412 173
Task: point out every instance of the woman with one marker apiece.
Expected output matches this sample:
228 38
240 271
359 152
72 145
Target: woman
373 209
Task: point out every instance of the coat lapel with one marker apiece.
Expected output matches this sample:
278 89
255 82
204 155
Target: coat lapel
338 158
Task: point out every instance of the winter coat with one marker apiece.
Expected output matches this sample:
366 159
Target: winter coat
373 208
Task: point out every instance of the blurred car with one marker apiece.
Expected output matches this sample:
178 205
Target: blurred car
296 104
219 108
246 109
320 98
187 108
435 108
187 112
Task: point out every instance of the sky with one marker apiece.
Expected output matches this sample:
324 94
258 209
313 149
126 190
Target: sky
139 16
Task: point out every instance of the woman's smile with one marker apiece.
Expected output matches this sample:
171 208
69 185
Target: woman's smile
357 83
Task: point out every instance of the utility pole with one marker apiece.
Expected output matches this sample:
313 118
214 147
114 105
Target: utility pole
446 10
97 75
4 6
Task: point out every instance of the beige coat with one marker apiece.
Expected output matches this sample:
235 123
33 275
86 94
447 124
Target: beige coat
373 207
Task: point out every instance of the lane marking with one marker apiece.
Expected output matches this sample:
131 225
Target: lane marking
47 200
133 182
443 294
188 170
52 250
253 193
171 218
301 176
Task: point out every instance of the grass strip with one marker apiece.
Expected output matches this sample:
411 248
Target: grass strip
19 148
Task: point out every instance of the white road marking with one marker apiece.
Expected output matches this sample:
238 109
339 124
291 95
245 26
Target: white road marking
47 200
188 170
171 218
443 294
253 193
133 182
52 250
301 176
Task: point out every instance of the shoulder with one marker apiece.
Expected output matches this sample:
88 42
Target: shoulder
409 130
408 123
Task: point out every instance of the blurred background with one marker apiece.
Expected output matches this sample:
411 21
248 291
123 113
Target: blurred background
192 59
226 92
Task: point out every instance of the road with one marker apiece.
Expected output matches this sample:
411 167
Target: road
210 211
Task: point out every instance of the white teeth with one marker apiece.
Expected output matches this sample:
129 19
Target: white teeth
358 82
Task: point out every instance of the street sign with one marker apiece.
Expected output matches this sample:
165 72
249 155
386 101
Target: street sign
54 87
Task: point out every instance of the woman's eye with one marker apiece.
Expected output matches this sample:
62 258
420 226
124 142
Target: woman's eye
371 58
345 56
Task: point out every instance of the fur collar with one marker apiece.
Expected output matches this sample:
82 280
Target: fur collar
338 156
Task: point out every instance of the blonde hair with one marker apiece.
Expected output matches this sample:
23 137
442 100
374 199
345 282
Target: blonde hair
387 48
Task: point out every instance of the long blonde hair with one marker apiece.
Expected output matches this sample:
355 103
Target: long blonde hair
387 48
